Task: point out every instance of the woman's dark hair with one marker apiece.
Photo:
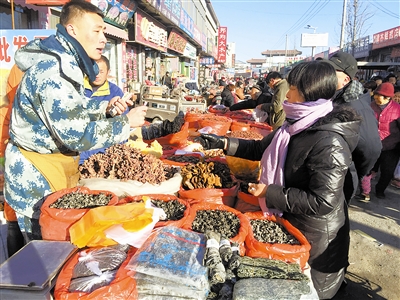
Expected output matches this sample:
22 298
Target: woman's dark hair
314 80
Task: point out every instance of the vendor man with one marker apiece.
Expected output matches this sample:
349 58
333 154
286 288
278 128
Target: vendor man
51 119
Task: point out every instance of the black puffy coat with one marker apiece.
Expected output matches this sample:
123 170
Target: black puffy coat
369 145
227 97
313 199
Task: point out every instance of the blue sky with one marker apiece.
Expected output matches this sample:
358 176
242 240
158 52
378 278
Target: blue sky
256 26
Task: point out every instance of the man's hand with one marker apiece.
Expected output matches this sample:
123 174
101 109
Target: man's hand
211 141
136 116
117 105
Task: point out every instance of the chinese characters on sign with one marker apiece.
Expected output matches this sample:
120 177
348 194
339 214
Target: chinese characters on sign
207 61
176 42
386 38
172 10
117 12
149 32
222 40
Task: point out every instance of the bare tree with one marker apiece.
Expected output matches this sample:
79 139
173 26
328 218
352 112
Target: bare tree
357 18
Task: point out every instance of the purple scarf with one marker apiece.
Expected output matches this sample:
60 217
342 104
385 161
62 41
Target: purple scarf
274 157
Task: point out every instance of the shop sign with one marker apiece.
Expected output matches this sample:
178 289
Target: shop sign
222 40
149 32
190 51
48 2
196 34
386 38
117 12
10 42
207 61
186 23
172 10
132 65
176 42
155 3
203 42
361 47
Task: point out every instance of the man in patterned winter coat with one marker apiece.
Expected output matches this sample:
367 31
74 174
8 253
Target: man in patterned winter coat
51 120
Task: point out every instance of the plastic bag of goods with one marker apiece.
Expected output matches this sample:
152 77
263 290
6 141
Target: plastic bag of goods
219 124
219 218
176 209
126 171
170 262
63 208
208 182
112 283
275 238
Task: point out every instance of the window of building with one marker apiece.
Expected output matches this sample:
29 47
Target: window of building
24 18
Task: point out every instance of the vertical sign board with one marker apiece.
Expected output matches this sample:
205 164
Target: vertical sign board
172 10
222 40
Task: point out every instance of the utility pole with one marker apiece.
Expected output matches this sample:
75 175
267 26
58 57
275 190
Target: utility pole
343 24
285 51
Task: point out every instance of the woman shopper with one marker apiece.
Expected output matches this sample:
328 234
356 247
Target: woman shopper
304 164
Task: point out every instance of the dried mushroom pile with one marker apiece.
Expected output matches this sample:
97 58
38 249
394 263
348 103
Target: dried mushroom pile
184 159
206 175
266 231
224 222
173 209
247 135
126 163
77 200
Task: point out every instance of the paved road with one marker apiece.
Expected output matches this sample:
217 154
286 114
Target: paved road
374 271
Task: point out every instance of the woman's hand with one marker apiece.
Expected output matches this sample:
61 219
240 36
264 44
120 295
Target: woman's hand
136 116
258 189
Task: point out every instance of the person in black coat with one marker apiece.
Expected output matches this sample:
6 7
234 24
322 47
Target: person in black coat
351 93
227 97
304 165
257 98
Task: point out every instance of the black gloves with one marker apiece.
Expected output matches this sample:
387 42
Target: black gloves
157 130
211 141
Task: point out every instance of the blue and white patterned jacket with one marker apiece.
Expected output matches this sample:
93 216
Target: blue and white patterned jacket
52 115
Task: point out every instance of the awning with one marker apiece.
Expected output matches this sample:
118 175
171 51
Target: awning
29 6
115 31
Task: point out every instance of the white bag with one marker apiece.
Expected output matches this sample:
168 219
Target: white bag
133 187
259 115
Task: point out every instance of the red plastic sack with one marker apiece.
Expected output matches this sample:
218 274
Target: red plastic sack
285 252
240 125
216 196
241 115
123 287
244 221
193 118
246 202
262 128
55 223
162 197
219 124
178 139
